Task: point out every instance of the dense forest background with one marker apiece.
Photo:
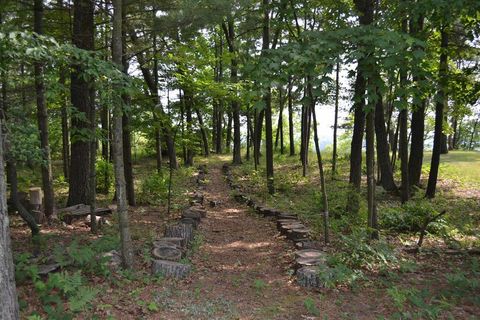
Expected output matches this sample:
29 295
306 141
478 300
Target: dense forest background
359 115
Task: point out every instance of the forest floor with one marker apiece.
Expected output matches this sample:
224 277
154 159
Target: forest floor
242 269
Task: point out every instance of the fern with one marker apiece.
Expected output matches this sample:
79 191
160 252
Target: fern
82 299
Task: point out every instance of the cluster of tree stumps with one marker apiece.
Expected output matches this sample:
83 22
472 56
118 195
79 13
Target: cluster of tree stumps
309 255
169 251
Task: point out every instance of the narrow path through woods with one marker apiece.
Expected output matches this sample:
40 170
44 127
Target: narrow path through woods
241 268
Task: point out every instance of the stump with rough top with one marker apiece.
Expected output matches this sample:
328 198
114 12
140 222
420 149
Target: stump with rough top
308 277
167 252
180 230
174 241
170 269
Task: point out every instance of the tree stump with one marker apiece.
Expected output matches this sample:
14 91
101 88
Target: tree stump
309 253
192 214
269 212
309 262
308 277
180 230
174 241
286 222
309 244
193 222
286 227
170 269
286 215
298 234
166 252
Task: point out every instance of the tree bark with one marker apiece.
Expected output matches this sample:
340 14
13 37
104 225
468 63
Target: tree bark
42 117
439 109
290 118
83 26
403 132
268 102
206 149
335 122
383 152
372 208
358 129
326 236
122 209
228 138
65 131
8 292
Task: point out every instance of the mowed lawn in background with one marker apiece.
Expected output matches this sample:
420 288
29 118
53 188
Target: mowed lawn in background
462 166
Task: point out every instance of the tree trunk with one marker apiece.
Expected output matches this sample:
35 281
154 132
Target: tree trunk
230 35
206 149
65 133
444 146
335 122
358 129
122 209
42 117
83 26
249 136
417 128
403 132
439 109
372 208
127 156
383 152
8 293
188 98
228 138
268 102
326 236
290 118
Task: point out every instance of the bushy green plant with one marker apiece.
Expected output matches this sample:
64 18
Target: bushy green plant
358 253
410 217
104 175
154 189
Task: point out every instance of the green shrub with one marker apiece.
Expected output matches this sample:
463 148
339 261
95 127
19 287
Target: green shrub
411 216
104 175
154 189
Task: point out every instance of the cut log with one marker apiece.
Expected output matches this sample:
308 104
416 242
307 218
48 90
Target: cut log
79 211
180 230
269 212
198 197
170 269
286 227
169 253
285 222
309 253
174 241
298 234
308 277
192 214
45 269
286 215
308 262
193 222
309 244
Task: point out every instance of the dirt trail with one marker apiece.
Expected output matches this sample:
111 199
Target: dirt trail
242 267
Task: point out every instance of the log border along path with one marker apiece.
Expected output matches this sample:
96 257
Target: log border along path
243 268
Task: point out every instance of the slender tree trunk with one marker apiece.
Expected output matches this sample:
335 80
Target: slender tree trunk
93 173
358 129
206 150
444 145
326 236
403 131
228 138
416 148
335 123
8 292
83 26
372 208
42 117
382 147
258 135
127 156
268 102
439 109
188 99
455 133
120 186
249 136
65 133
290 118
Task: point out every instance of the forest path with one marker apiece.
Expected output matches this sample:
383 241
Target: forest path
241 269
